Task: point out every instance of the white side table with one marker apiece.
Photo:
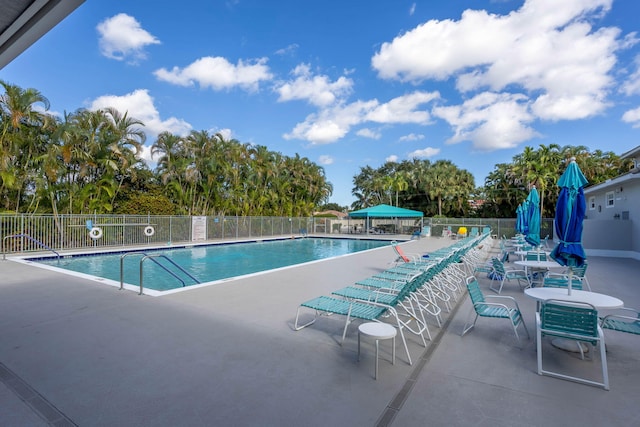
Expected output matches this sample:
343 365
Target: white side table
378 331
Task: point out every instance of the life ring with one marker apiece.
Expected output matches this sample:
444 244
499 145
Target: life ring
95 233
149 231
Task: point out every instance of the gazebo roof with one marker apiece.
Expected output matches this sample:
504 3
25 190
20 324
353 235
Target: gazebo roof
385 211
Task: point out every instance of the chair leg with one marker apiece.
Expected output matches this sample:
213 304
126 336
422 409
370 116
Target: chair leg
466 329
404 342
603 357
295 325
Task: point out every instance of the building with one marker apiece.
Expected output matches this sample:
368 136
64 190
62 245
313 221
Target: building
612 223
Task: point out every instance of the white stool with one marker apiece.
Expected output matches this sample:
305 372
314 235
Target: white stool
378 331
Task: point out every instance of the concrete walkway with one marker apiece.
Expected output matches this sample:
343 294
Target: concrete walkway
75 352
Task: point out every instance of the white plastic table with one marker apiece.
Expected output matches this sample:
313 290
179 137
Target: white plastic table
378 331
538 265
543 265
599 301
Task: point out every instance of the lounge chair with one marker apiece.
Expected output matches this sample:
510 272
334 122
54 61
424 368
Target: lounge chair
401 256
370 311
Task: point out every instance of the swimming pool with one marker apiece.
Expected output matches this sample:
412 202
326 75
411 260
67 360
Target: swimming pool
208 263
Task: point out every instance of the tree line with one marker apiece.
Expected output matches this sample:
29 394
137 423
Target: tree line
89 162
442 189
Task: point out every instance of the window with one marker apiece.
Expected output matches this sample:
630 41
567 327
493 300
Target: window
610 197
592 203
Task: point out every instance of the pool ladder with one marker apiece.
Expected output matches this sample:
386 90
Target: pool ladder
154 260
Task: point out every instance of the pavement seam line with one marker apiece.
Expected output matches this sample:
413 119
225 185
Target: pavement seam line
392 409
34 400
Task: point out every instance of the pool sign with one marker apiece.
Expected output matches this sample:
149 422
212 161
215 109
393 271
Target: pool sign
198 228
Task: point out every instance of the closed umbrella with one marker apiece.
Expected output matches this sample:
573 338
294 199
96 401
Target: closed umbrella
519 219
524 224
532 215
570 211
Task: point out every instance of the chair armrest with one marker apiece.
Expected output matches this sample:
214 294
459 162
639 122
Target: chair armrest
504 297
553 275
635 318
515 270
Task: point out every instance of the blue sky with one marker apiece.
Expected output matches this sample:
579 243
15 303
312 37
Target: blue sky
355 83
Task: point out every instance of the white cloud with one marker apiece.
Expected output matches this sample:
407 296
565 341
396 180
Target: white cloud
392 159
411 137
289 50
490 120
369 133
122 38
403 109
547 49
139 105
332 123
218 73
226 133
425 153
412 9
325 160
631 85
317 90
633 117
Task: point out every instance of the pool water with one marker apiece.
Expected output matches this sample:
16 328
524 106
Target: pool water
212 262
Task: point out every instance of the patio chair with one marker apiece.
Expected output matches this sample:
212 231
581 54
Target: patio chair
628 322
580 272
536 256
483 307
561 280
574 321
503 274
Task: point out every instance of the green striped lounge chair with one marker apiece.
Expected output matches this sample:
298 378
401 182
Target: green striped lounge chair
368 311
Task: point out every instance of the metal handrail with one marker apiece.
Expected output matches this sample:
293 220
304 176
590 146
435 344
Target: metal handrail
152 257
38 242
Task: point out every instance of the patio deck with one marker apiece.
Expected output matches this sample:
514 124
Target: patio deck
74 352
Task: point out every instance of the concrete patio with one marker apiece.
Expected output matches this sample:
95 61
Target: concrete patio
76 352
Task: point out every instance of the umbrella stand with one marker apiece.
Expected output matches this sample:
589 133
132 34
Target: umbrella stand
570 279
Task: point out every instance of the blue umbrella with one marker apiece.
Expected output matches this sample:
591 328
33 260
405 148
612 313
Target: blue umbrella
570 211
524 223
532 215
519 219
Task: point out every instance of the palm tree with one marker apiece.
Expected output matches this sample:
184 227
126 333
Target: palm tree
21 139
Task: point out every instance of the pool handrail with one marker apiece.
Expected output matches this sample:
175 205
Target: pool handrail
38 242
152 257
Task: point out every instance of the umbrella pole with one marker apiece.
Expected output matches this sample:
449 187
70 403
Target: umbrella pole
570 279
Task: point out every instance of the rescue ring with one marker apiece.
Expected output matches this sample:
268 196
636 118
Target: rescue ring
149 231
95 233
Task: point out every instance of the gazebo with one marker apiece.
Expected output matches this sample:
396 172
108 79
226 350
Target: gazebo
385 211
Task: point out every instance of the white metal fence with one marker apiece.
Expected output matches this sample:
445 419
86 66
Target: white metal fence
29 233
26 233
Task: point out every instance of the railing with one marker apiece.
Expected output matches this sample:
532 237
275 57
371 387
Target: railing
72 232
36 241
153 257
